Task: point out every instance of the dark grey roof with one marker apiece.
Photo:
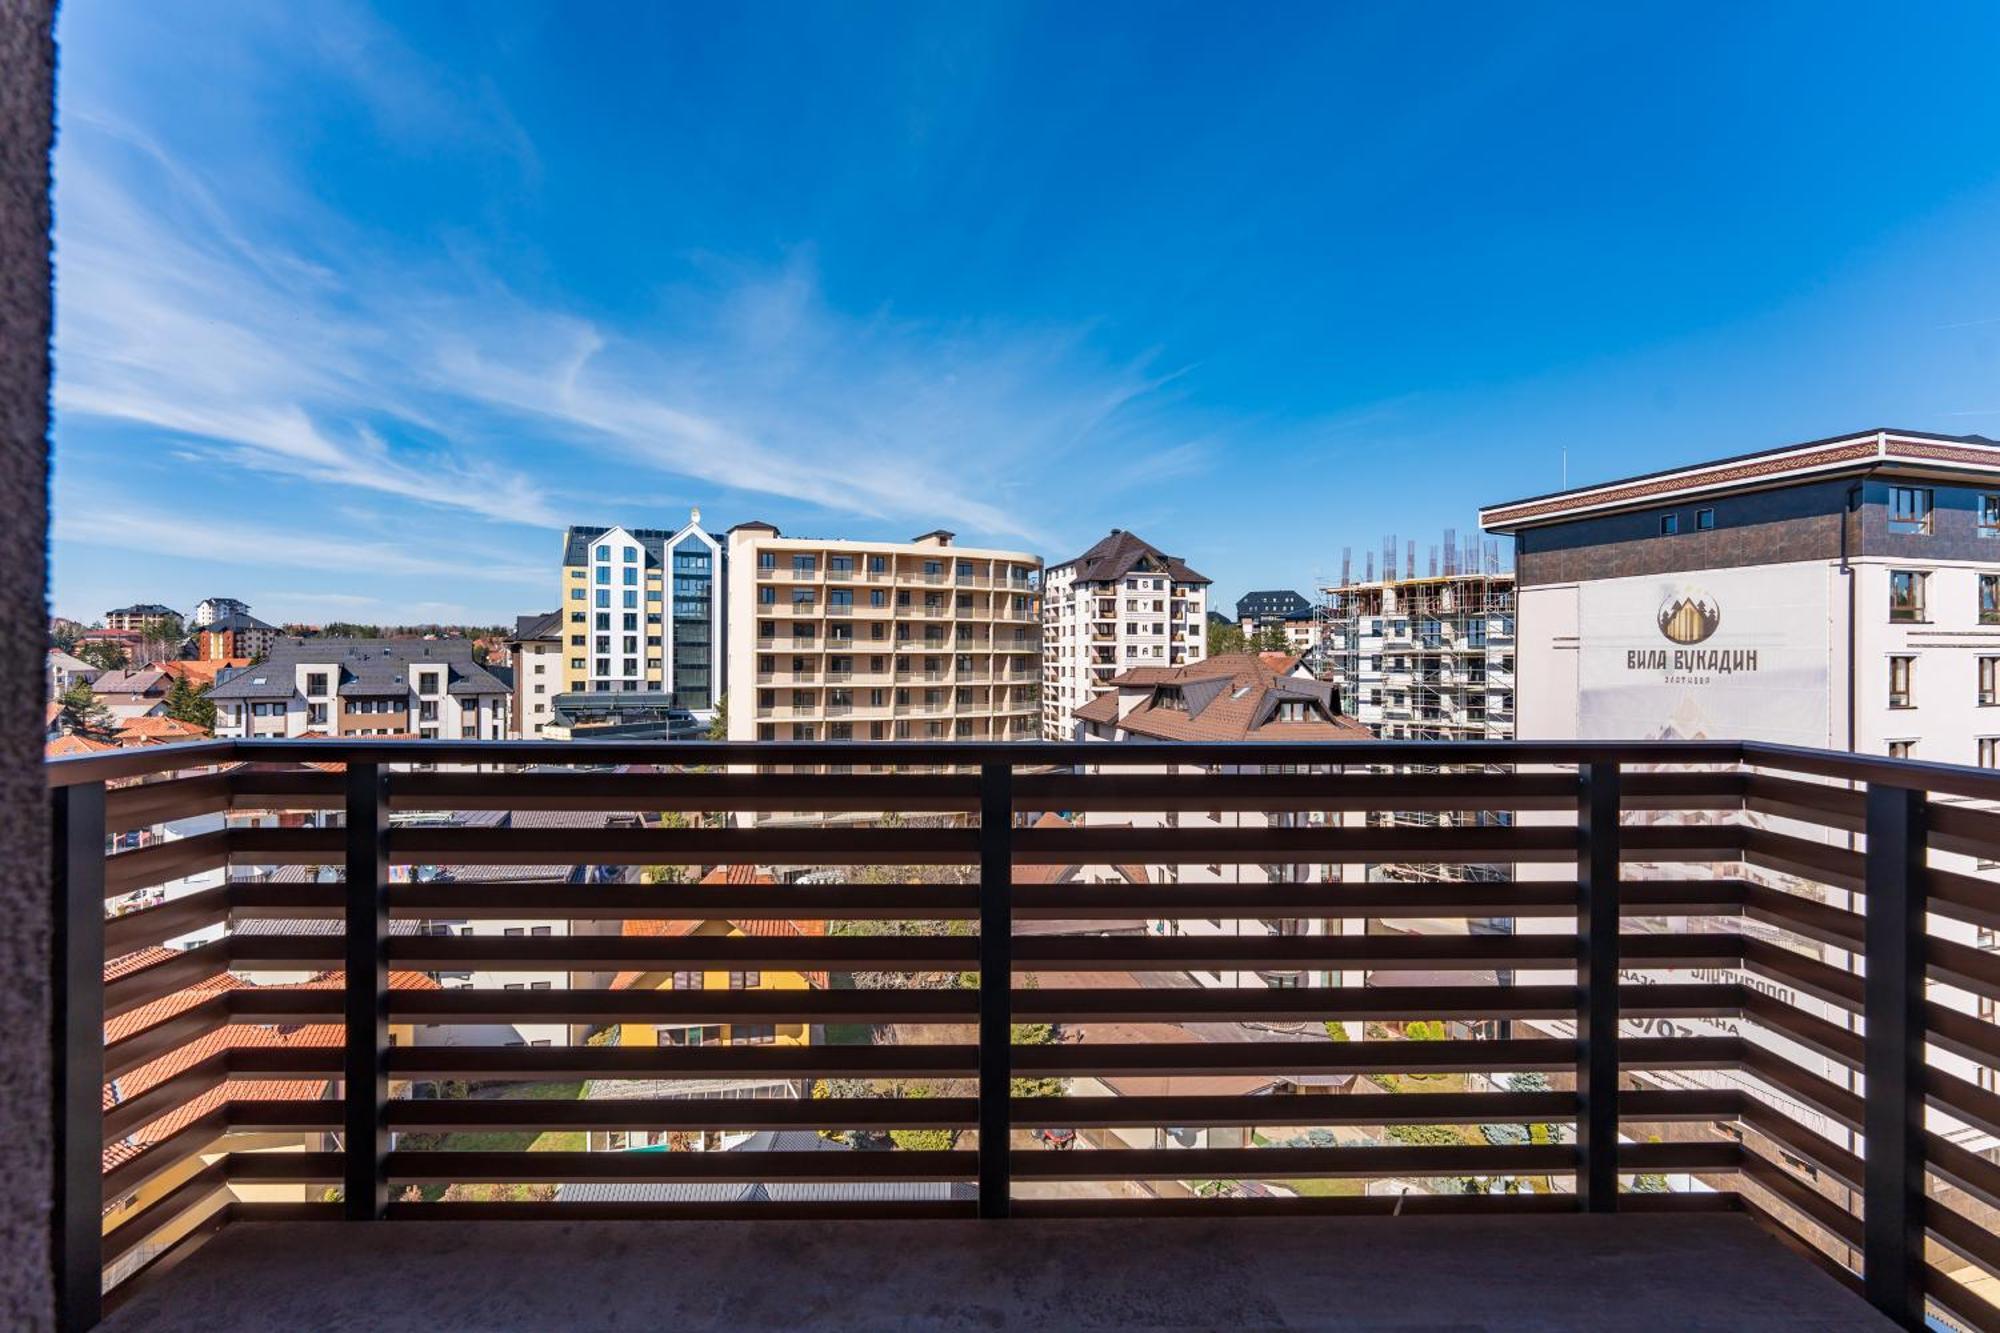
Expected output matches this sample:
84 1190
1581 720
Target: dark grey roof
142 609
503 674
1121 553
1270 602
576 542
367 667
236 620
547 625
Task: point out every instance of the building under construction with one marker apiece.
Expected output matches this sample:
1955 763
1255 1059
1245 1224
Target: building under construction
1424 655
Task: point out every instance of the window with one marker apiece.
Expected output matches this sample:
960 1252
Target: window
1989 751
745 980
1899 681
1989 514
1910 509
1906 595
1669 524
1704 520
767 560
1902 749
1989 599
1989 680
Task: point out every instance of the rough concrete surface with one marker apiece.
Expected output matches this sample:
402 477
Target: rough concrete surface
27 88
1433 1273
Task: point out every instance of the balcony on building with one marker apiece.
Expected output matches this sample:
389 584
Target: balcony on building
395 1034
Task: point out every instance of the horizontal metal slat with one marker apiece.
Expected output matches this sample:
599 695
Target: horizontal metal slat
136 1228
1289 1163
836 845
689 1006
699 792
1156 792
1243 846
854 1210
542 1063
1293 1057
483 1114
816 1168
432 953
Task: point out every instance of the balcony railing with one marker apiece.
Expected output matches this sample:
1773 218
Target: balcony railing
1726 1039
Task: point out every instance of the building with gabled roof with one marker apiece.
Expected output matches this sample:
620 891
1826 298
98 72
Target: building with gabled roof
431 688
1122 604
643 609
537 649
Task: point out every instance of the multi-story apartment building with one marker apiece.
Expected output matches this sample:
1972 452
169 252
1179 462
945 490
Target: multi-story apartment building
144 617
853 640
1122 604
1423 658
364 687
537 648
643 611
230 637
1842 594
211 609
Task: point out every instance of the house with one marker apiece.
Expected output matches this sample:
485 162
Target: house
364 687
66 671
130 642
1232 697
137 692
157 728
719 1034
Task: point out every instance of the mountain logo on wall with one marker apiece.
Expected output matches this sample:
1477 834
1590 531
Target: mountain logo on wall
1689 615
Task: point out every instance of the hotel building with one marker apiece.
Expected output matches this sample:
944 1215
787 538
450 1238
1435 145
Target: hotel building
851 640
1842 594
642 612
1122 604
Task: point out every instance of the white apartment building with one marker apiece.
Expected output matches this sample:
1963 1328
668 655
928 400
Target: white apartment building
1122 604
211 609
1842 594
643 611
537 647
851 640
431 689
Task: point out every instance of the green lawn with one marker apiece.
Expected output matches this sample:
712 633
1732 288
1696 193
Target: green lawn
1326 1189
553 1140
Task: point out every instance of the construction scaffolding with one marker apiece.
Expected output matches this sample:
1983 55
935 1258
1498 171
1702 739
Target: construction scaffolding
1425 656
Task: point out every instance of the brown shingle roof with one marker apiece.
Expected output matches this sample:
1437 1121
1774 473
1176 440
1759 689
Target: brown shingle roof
1233 697
1121 552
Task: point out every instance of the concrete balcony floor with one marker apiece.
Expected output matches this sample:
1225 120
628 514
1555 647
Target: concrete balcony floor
1415 1273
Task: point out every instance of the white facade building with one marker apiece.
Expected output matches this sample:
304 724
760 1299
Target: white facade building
432 689
1122 604
1840 595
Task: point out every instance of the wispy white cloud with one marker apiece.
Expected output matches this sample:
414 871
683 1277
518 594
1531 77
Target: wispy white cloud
328 360
256 546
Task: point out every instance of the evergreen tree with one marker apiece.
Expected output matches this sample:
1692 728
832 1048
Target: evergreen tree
188 702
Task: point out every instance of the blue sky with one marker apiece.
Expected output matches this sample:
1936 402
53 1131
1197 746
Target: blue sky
356 307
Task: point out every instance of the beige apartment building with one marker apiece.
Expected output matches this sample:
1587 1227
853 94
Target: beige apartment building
879 641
